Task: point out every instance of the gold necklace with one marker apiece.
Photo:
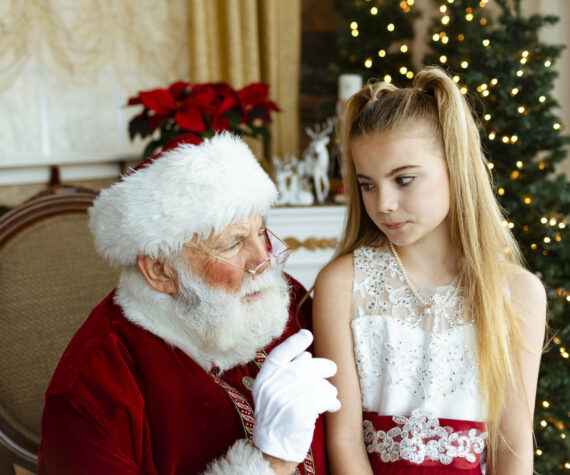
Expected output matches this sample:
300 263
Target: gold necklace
416 294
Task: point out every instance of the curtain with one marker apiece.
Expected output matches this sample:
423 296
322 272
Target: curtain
244 41
145 40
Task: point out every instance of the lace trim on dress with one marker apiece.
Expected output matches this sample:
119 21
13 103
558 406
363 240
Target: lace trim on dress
382 289
420 437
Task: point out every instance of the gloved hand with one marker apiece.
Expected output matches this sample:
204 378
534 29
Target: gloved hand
290 392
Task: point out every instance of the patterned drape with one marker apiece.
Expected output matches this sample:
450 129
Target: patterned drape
242 41
77 39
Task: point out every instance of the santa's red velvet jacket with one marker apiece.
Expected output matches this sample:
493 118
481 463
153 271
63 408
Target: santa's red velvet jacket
123 401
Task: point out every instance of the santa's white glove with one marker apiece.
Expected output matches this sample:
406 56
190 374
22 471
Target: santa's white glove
290 392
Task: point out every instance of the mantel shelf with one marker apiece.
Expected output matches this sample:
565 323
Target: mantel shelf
312 232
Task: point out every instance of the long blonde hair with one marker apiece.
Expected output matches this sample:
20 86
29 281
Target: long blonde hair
475 218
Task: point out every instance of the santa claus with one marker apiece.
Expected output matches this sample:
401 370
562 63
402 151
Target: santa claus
196 362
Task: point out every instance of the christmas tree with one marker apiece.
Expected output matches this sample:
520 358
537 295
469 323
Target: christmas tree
508 73
374 39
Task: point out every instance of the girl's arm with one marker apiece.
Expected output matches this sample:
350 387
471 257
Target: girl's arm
332 306
529 303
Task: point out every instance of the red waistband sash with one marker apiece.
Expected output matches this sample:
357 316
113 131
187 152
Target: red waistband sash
246 412
424 440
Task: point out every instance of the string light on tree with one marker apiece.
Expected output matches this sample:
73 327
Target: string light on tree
386 24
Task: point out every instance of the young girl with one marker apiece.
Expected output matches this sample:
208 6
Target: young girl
435 326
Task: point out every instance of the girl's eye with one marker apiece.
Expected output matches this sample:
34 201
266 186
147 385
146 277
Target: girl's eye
404 180
366 186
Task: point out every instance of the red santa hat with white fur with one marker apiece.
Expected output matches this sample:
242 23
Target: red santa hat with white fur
184 191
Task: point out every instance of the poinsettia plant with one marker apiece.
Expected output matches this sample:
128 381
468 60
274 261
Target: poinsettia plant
202 110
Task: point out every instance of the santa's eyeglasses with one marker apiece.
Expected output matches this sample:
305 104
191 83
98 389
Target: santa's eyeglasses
277 249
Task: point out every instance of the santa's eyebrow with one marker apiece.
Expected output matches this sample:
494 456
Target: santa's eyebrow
240 233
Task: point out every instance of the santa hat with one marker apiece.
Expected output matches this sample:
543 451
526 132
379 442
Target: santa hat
185 190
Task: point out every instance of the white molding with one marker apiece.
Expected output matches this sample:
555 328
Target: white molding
71 172
302 223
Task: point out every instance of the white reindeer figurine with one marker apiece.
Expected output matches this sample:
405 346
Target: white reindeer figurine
316 158
291 182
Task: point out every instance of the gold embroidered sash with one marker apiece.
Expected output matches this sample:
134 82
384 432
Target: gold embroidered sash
246 413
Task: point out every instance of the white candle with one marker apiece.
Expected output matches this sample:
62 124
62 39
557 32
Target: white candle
348 84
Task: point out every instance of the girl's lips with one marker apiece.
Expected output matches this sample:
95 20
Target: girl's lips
395 225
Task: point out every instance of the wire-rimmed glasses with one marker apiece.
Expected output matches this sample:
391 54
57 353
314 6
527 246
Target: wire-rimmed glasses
277 249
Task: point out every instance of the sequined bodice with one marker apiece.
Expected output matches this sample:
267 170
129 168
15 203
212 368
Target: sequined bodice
409 358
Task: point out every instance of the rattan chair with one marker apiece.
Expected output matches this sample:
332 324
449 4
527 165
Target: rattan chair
50 279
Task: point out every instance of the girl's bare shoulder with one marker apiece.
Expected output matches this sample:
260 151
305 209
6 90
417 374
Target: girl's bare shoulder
336 274
525 287
528 300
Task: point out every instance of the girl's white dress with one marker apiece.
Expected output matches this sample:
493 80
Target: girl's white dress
417 370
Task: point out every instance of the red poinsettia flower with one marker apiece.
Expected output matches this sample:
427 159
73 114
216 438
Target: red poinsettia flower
221 123
253 97
178 90
204 97
160 101
228 101
135 100
189 117
201 109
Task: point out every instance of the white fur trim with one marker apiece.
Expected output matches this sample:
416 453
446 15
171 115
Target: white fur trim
189 190
241 459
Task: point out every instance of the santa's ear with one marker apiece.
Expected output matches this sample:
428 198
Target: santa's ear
159 275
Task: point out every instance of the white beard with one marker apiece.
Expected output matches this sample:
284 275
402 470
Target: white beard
211 326
225 323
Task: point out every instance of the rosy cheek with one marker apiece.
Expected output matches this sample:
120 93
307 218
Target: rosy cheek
223 276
